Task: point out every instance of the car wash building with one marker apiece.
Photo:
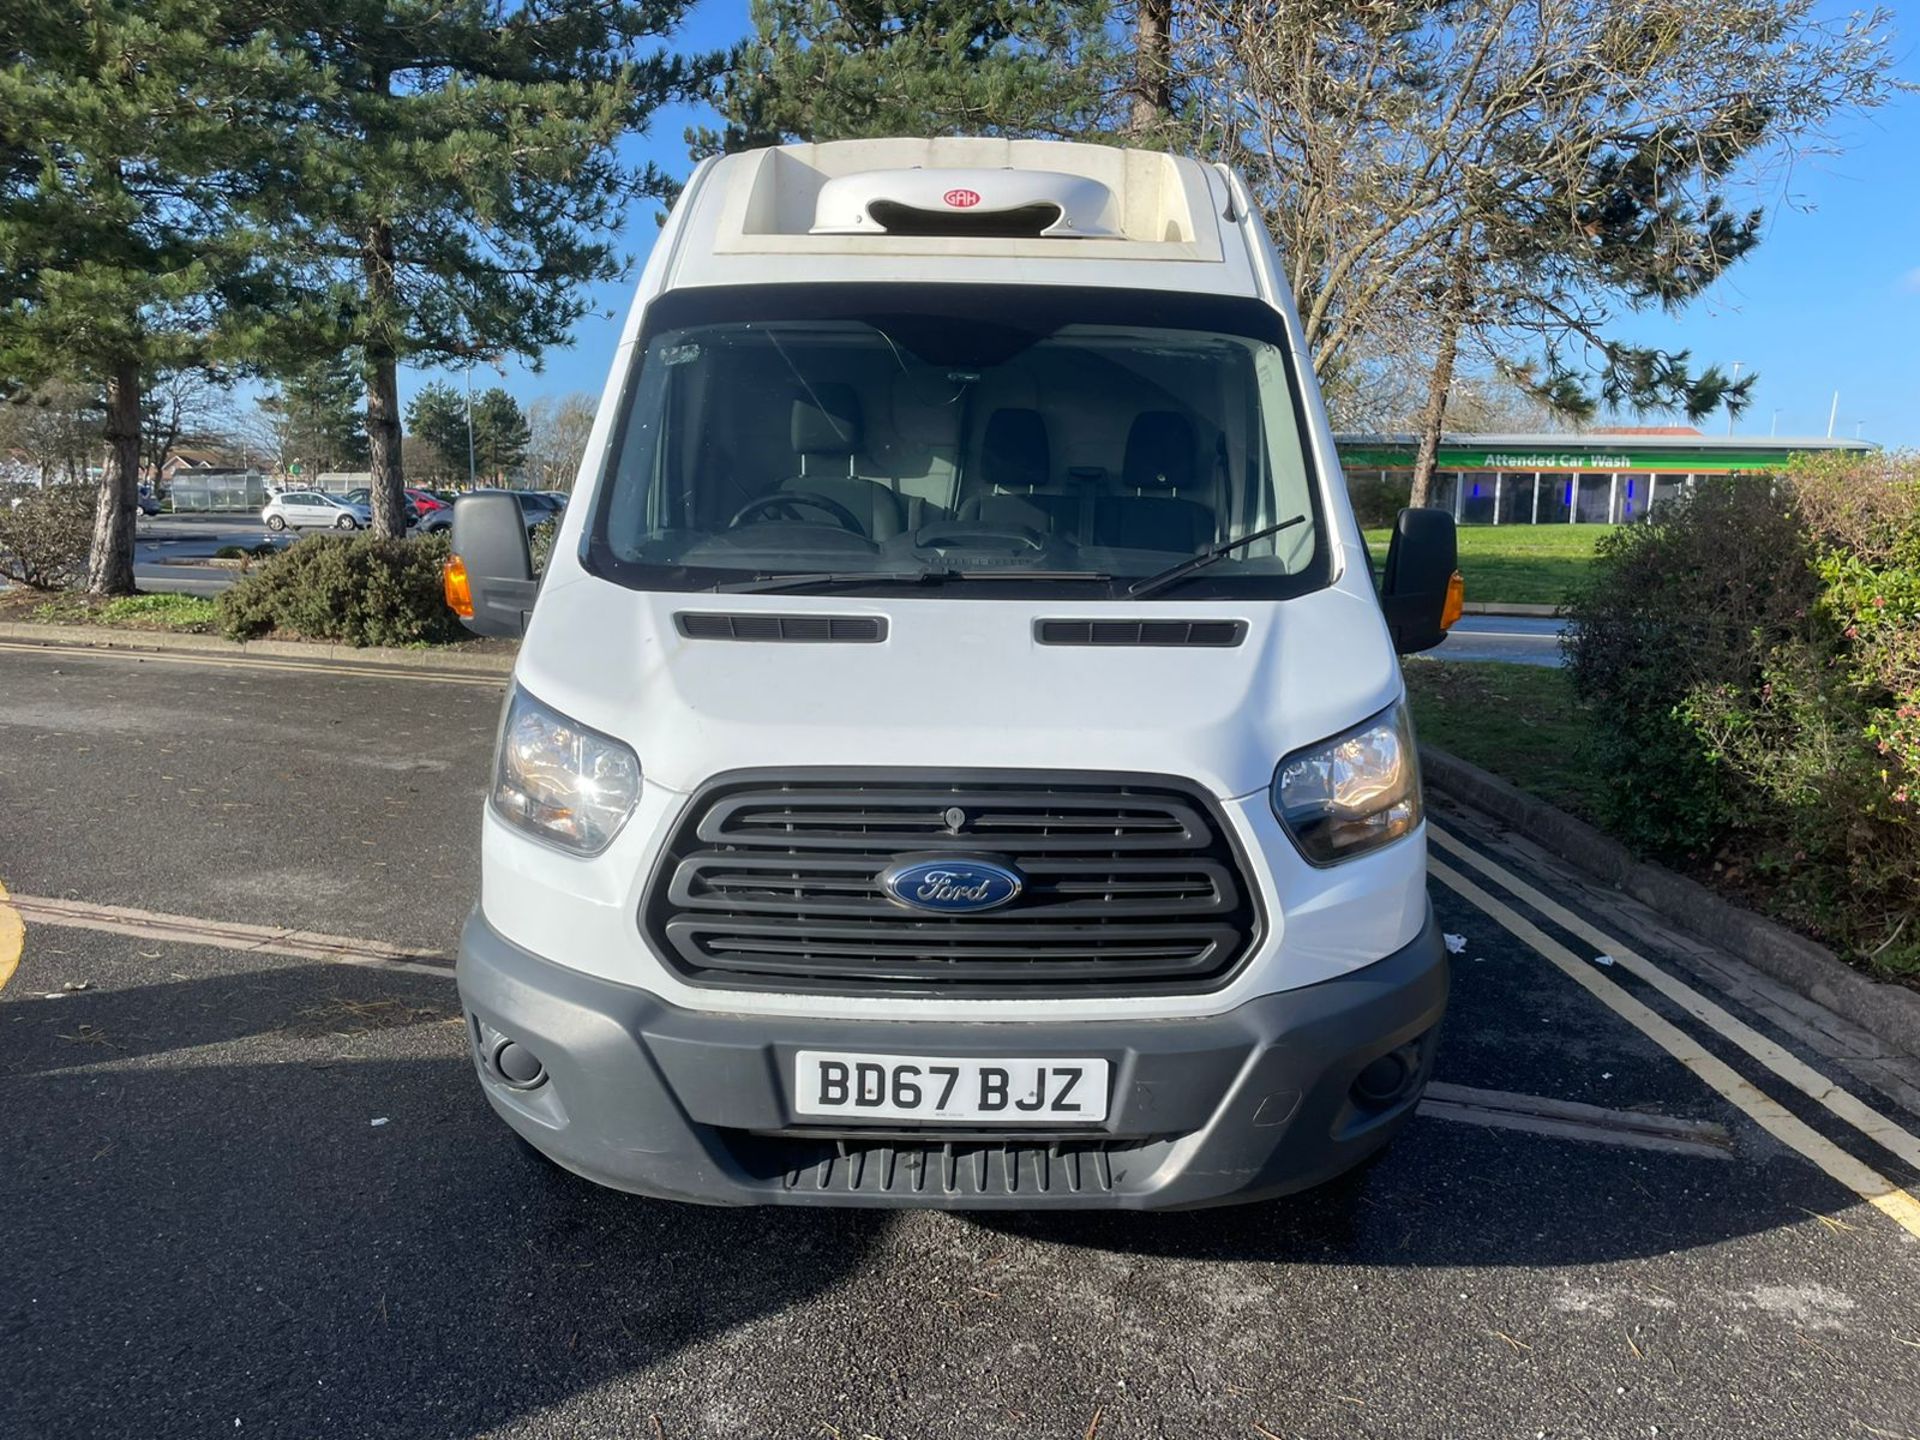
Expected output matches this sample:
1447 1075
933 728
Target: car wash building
1603 478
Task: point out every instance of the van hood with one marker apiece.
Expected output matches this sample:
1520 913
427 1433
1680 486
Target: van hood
957 684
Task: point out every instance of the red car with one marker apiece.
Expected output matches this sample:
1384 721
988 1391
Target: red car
423 502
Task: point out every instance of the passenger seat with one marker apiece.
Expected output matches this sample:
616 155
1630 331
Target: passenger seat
1016 461
1161 461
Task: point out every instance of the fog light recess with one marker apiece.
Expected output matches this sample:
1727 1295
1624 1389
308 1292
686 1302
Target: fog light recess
518 1066
1389 1078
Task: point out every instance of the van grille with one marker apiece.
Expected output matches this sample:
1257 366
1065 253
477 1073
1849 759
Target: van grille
1133 886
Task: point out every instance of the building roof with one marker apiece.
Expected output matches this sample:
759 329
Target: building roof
1619 451
1661 438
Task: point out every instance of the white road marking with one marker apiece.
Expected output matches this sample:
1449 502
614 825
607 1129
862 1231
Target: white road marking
224 662
230 935
1782 1062
1571 1120
1866 1182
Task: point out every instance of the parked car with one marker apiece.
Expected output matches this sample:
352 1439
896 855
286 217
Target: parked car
536 507
147 501
425 502
309 510
1036 825
363 496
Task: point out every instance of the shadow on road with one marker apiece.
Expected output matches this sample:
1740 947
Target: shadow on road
223 1234
226 1241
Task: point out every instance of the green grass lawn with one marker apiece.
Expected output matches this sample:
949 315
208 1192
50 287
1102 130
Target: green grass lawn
1519 721
128 612
1517 564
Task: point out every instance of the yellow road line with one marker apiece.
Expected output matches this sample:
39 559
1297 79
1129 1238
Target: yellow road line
13 938
1866 1182
227 935
1782 1062
223 662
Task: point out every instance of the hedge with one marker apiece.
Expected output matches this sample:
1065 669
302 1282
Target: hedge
1752 663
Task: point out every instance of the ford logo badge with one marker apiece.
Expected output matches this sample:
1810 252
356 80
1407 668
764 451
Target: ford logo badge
949 885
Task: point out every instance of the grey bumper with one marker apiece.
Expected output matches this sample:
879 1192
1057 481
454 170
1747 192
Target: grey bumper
647 1097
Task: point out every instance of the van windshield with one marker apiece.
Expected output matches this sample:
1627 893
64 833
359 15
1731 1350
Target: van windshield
874 438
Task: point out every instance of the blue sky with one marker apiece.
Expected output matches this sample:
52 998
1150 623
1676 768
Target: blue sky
1829 301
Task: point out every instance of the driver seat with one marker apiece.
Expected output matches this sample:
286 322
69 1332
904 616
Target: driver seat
825 427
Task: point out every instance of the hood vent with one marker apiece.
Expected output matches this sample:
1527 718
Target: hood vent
1215 633
800 629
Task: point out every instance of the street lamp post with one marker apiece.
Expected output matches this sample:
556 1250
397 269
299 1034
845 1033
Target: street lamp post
470 479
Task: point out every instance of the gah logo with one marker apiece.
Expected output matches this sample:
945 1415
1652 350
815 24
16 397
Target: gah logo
962 199
951 885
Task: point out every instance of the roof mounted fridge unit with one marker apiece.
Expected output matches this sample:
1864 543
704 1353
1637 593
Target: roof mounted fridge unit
1004 203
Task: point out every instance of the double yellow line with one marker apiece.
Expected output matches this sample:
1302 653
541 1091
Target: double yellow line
1862 1179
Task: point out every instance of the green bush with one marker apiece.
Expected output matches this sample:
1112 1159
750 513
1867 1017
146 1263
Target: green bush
44 538
353 588
1751 664
540 544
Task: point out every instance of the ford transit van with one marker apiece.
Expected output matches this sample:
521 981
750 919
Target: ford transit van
957 755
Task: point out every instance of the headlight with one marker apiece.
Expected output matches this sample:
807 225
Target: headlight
1352 793
561 782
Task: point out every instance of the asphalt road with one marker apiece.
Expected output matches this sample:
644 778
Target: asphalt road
1512 639
256 1194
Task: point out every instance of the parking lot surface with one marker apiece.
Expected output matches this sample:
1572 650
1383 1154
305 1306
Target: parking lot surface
250 1186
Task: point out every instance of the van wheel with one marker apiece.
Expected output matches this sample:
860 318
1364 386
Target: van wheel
276 522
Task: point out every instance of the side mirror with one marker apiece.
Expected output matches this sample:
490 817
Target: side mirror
1421 592
489 579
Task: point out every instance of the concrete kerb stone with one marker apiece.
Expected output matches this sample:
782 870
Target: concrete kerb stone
1515 608
101 637
1889 1012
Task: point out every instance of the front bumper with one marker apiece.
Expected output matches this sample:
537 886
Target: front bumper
651 1098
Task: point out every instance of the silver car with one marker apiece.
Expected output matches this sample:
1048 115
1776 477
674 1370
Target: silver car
309 509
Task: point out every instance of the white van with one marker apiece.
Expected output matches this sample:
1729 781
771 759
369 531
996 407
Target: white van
958 755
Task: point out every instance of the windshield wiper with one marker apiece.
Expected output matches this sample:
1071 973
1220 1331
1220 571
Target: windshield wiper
831 579
1174 574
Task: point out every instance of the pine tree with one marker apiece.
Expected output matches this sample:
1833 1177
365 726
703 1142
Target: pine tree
130 133
462 185
500 433
438 415
315 415
864 69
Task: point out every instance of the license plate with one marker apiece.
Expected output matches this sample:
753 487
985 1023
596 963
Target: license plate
921 1087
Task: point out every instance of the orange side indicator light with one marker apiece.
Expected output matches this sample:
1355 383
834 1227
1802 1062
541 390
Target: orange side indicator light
453 584
1450 612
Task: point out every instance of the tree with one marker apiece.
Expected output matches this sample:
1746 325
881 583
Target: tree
131 131
863 69
462 185
180 405
438 415
500 434
1511 177
53 430
559 428
312 416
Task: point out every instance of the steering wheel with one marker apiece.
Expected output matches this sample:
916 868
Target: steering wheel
793 499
